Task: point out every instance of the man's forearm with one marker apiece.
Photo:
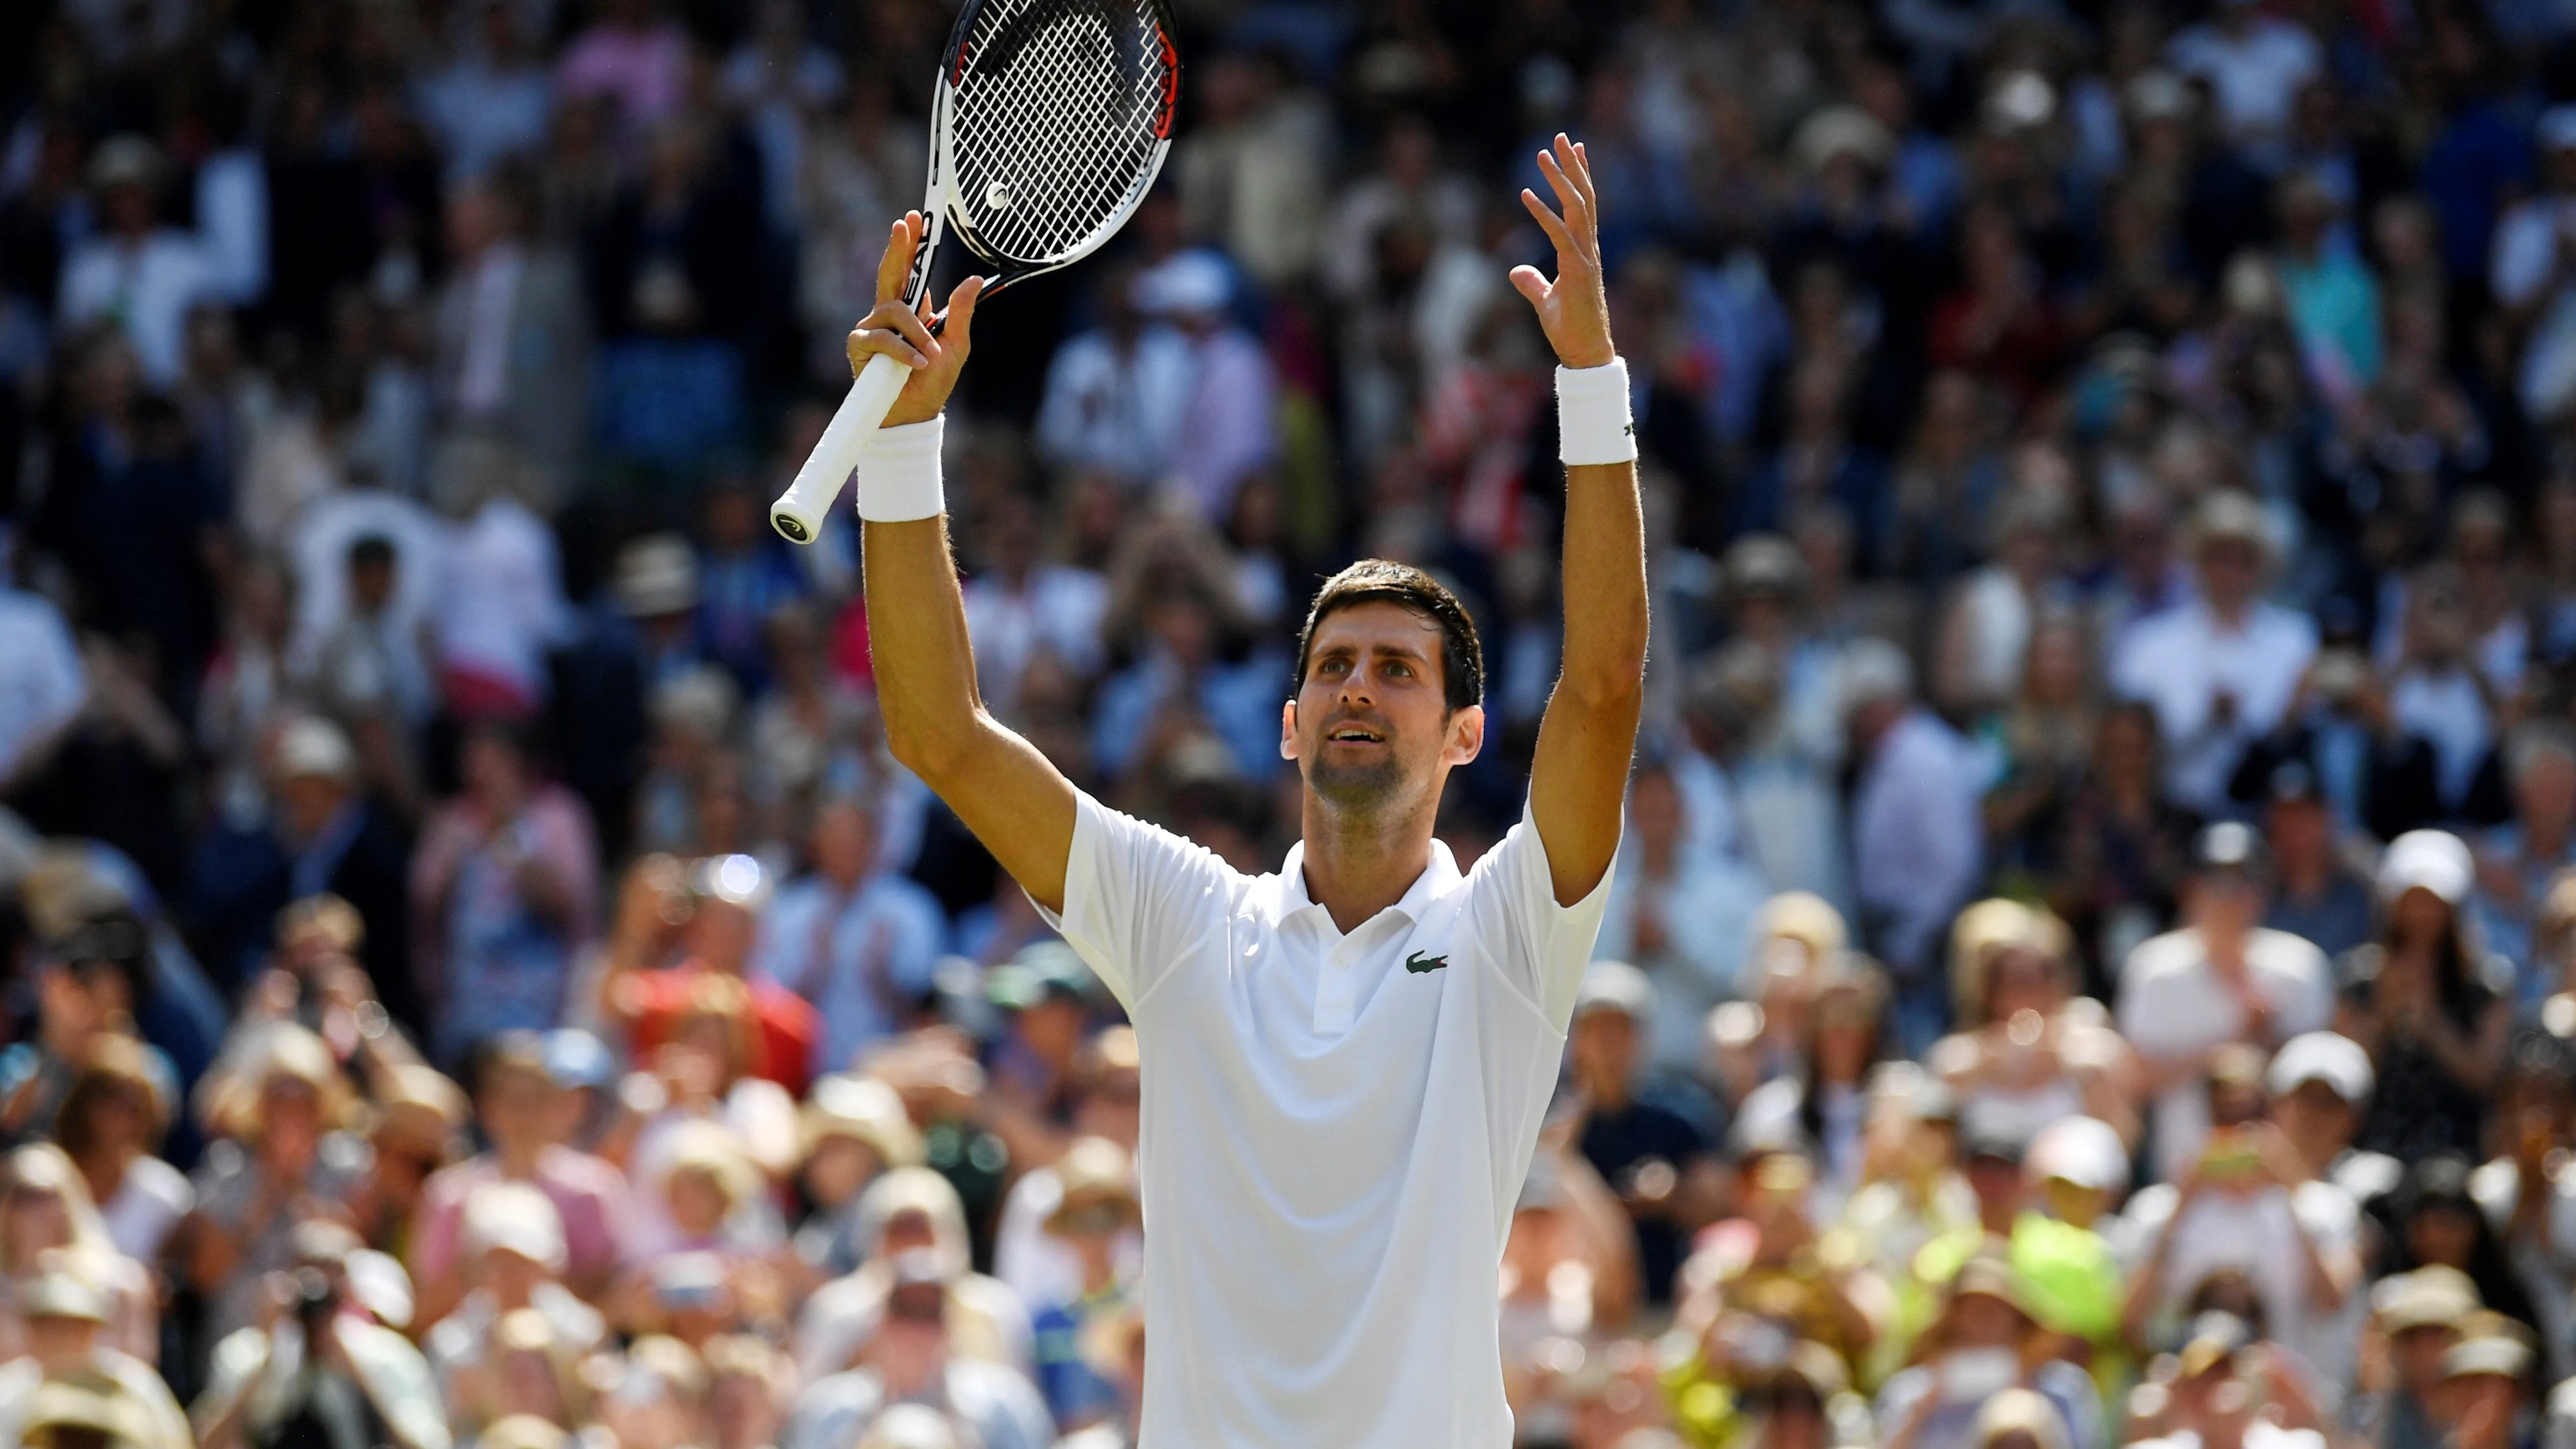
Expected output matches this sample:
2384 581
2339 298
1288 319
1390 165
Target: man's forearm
917 640
1605 581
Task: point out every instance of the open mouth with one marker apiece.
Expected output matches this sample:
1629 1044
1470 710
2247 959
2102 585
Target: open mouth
1354 734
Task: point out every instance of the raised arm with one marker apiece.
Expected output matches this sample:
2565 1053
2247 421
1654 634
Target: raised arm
1580 775
1018 804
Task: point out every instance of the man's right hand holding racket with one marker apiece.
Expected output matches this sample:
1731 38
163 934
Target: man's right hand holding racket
1018 804
903 333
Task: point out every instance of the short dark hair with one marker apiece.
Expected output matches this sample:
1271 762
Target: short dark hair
373 551
1377 580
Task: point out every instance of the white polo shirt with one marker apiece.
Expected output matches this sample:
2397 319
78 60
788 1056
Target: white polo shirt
1335 1130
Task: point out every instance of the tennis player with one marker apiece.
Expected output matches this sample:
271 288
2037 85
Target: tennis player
1345 1063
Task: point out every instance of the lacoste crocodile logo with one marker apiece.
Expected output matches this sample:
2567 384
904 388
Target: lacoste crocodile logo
1418 963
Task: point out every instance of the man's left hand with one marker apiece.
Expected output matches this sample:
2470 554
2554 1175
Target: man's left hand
1573 310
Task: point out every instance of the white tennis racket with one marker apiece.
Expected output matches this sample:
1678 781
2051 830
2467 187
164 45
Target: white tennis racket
1048 124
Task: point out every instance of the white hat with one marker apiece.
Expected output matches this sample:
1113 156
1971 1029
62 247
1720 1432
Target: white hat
1874 671
309 747
1841 131
513 1217
2085 1151
2557 130
2433 860
2321 1056
657 575
1193 281
1615 986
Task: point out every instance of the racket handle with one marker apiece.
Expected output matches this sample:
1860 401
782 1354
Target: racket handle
798 513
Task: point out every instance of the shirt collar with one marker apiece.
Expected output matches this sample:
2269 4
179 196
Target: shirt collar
1436 878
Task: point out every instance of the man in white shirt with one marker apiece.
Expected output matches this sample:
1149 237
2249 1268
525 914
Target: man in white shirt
2220 981
857 941
2220 669
2254 64
136 272
1344 1064
1918 838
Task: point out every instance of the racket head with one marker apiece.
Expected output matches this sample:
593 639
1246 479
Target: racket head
1052 119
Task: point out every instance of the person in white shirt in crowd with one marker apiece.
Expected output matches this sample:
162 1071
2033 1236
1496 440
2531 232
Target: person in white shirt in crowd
853 937
2533 264
493 101
1117 393
909 1359
67 1343
42 685
501 606
2249 1206
515 1257
1680 914
2220 669
2221 979
2254 63
391 596
1225 429
912 1210
136 273
1021 602
513 334
1916 829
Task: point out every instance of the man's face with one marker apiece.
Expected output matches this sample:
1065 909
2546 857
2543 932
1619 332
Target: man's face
720 934
1370 726
844 840
2226 903
513 1106
2312 1115
1605 1048
2298 831
371 585
2229 570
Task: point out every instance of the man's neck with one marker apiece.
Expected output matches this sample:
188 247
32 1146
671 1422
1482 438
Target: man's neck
518 1160
1357 866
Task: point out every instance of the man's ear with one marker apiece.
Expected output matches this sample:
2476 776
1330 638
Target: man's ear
1288 730
1466 734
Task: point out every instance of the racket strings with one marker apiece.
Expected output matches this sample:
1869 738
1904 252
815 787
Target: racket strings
1054 138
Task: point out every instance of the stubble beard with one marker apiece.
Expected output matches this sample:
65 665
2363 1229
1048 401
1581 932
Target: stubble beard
1357 789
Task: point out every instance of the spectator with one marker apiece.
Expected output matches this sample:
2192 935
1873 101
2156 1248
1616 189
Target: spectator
1653 1142
2314 894
2220 669
522 1113
67 1344
290 1158
2428 1004
1973 1354
2221 980
1915 827
1680 913
501 891
854 938
139 275
111 1124
258 1395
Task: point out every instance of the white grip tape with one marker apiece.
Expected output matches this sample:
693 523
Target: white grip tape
899 473
1592 424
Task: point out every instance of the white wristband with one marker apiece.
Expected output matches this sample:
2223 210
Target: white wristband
899 474
1592 423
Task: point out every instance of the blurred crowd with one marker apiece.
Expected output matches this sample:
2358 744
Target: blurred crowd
2093 958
